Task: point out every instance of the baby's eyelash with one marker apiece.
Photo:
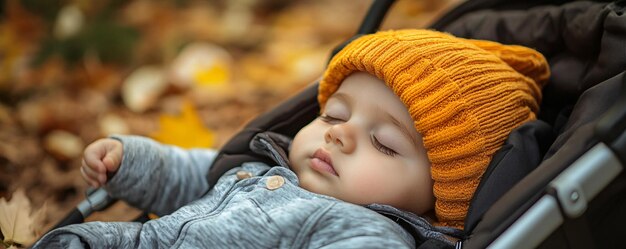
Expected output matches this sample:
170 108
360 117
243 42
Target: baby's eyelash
380 147
328 119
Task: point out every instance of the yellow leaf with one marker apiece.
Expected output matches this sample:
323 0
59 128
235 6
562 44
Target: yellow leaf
16 221
201 64
214 75
185 130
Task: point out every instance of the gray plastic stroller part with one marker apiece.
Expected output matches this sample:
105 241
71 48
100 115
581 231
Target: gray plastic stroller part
96 200
574 188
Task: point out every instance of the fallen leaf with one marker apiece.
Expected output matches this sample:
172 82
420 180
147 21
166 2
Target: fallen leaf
201 64
113 124
63 145
143 87
185 130
17 223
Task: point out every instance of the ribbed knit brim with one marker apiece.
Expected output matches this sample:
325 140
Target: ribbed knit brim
465 97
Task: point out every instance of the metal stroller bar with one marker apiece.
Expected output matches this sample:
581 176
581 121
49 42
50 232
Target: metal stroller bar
95 200
574 188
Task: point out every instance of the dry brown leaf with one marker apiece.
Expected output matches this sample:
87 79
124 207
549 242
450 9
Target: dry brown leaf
16 220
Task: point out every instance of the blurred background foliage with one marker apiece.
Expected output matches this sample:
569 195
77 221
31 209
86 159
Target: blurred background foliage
185 72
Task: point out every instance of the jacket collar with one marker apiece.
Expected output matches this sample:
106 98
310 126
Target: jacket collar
272 145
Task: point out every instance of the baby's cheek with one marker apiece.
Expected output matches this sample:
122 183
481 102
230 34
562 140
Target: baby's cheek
371 185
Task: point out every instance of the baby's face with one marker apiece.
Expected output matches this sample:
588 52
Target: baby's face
364 149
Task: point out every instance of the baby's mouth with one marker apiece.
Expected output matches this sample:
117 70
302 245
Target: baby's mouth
322 162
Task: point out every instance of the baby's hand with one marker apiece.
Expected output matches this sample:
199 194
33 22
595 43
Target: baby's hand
99 158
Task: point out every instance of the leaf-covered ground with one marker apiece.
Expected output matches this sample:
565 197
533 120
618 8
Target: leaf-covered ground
74 71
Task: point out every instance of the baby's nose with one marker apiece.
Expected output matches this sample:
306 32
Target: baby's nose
341 135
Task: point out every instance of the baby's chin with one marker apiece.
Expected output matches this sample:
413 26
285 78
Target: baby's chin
296 168
307 181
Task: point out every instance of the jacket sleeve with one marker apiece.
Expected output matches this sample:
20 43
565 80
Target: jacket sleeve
92 235
160 178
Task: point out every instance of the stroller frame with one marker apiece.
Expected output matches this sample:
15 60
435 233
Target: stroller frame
571 192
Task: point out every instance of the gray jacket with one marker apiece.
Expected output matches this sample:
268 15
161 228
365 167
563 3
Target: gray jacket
251 206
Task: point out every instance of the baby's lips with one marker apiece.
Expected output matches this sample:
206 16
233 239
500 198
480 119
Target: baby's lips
322 161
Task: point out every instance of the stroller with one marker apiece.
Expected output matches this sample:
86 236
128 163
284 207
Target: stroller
559 181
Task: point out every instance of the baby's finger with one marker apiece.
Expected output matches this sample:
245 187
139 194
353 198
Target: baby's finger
88 179
113 157
94 175
111 161
94 161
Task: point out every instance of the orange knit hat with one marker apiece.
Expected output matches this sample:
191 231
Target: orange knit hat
465 97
